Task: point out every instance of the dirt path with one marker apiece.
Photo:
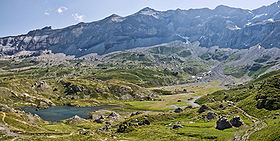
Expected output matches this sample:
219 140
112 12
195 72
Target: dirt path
258 125
5 128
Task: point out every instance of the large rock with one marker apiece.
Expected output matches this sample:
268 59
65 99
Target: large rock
135 113
75 120
176 126
236 121
113 115
223 123
203 108
122 128
145 121
100 119
178 110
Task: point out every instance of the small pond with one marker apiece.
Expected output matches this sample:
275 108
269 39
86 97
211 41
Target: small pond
57 113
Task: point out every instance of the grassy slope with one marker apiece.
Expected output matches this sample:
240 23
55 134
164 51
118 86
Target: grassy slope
245 97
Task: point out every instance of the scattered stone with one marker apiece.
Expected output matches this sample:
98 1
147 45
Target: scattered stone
222 106
107 127
136 113
43 85
179 100
108 122
277 114
178 110
145 121
83 132
176 126
113 115
251 87
100 119
189 107
223 123
203 108
122 128
211 115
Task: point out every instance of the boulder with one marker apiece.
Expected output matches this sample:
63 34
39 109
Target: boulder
189 107
136 113
145 121
222 106
178 110
113 115
236 121
75 120
211 115
176 126
223 123
107 127
203 108
100 119
122 128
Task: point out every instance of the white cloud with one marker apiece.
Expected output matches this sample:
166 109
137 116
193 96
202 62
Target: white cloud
62 9
78 17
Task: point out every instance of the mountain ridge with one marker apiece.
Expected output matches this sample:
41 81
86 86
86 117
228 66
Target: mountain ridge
223 26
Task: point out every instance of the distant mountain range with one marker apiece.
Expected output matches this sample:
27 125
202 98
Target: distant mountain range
223 26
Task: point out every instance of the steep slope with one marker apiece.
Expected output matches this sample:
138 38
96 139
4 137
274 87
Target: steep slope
223 26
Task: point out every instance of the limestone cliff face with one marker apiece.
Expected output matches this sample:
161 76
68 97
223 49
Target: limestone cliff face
223 26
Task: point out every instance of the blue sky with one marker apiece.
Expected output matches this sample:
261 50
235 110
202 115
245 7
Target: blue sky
21 16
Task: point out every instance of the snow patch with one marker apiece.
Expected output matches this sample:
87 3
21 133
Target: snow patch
249 23
150 13
260 15
117 19
234 27
270 20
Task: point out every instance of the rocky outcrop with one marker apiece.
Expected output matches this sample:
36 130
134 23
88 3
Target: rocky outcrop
75 120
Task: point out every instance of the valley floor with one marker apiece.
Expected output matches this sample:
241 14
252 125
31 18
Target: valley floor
160 114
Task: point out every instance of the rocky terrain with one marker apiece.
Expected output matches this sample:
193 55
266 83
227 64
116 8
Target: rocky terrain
223 26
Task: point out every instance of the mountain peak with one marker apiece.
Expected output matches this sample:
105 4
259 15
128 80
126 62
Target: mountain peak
223 7
147 9
148 12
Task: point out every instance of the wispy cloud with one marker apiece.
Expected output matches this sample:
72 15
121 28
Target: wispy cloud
78 17
47 13
61 10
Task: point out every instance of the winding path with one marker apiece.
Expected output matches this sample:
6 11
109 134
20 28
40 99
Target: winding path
258 125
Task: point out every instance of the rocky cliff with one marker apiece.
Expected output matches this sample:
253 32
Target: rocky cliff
223 26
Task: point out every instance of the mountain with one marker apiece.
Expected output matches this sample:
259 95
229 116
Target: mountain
223 26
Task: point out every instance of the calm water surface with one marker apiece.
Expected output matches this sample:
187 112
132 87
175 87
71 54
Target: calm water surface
57 113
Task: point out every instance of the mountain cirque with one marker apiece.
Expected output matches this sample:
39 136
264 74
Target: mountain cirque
223 26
